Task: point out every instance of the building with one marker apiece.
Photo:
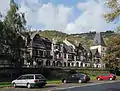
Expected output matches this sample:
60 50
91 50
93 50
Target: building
37 51
67 54
98 49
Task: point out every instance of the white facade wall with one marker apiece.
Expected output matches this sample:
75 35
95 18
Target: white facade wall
101 49
68 43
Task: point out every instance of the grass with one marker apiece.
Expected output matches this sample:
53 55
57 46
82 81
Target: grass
118 77
5 84
53 81
8 84
93 78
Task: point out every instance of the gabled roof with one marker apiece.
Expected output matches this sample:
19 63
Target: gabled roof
98 40
68 49
95 53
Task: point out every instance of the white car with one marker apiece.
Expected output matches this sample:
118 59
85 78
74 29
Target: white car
30 80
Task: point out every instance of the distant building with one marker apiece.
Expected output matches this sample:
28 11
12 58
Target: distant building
98 49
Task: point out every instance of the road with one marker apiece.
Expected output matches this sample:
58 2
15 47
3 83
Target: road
115 86
91 86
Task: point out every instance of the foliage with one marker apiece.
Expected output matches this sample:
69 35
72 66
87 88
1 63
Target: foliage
112 57
114 13
115 10
10 32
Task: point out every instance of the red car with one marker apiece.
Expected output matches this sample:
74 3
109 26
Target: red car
106 77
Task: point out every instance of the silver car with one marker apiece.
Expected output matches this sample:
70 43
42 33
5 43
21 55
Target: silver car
30 80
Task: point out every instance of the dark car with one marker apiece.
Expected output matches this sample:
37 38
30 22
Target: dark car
78 77
106 77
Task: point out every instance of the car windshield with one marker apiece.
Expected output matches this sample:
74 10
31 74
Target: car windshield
39 77
80 75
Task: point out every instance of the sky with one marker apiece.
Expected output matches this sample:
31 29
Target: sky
68 16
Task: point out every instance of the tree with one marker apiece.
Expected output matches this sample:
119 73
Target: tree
114 5
15 20
2 38
14 26
112 58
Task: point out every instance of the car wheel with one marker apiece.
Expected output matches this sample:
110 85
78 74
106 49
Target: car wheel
79 81
64 81
28 85
98 79
14 85
110 79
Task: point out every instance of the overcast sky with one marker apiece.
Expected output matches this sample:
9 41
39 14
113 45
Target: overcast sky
69 16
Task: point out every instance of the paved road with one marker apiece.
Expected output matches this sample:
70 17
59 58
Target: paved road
115 86
91 86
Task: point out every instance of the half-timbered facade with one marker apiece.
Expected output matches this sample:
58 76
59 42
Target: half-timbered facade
67 54
38 51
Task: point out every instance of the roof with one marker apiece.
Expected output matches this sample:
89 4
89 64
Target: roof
37 41
33 34
98 40
68 49
30 74
95 53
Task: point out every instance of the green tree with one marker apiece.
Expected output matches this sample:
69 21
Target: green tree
112 58
115 10
14 27
2 37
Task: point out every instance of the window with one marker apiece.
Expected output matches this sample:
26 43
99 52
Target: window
64 55
73 57
74 75
22 77
70 57
48 53
78 58
103 48
59 55
29 77
72 64
41 53
34 52
39 77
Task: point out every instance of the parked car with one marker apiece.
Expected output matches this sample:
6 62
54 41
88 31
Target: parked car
30 80
78 77
106 77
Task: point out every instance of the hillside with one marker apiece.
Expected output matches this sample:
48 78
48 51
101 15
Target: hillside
83 38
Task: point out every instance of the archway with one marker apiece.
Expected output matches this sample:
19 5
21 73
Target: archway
53 64
77 64
85 65
40 62
72 64
68 64
81 65
59 64
48 63
65 64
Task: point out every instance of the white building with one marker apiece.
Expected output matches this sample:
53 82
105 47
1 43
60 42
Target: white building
98 49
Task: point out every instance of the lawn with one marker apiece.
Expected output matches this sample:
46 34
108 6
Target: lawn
5 84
